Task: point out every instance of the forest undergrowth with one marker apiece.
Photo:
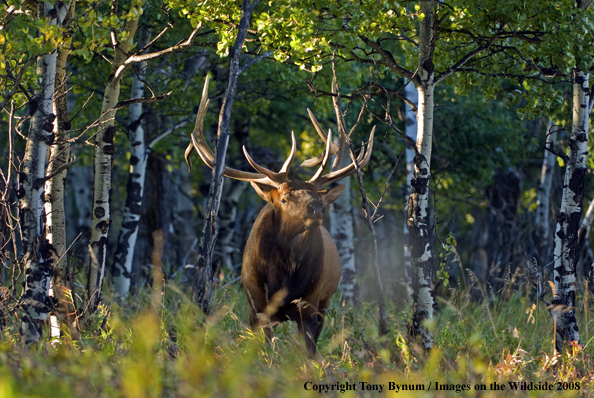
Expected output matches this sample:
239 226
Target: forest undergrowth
162 346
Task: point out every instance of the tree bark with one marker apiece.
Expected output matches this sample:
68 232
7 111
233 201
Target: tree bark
546 181
585 257
411 126
203 278
419 221
418 218
156 213
341 230
568 221
6 224
103 153
38 258
341 214
122 266
544 196
54 187
542 239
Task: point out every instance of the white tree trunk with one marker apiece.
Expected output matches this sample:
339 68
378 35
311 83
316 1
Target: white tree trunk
54 190
103 153
38 257
59 154
411 126
544 189
341 211
586 224
341 230
419 220
122 266
568 220
418 217
542 241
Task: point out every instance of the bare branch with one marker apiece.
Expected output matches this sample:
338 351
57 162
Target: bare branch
554 152
144 100
410 141
8 180
379 202
381 90
254 60
167 132
17 84
82 107
181 45
143 58
454 68
59 170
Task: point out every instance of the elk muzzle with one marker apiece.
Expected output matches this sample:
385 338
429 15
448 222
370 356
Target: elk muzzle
314 214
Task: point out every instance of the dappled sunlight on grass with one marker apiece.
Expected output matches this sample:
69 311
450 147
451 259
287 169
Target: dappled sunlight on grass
177 352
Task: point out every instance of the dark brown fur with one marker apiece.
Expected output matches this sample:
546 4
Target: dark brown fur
291 266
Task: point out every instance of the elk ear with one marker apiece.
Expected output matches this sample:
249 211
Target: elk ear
264 191
330 195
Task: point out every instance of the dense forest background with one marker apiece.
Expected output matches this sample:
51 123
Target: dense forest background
102 222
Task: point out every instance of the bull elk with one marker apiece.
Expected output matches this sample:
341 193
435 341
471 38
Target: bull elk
291 266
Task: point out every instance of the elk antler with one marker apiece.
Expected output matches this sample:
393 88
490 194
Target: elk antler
266 177
333 148
319 181
282 175
326 155
337 151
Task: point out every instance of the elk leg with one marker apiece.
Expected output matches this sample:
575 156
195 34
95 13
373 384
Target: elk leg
308 326
321 317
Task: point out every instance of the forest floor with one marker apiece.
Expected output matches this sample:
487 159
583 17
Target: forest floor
482 348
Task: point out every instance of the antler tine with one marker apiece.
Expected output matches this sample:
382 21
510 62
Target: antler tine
278 178
313 161
282 175
351 168
342 133
199 143
324 161
317 160
287 164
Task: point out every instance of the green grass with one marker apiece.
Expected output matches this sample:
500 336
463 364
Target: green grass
175 352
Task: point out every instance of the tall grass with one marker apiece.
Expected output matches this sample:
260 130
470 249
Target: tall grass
138 350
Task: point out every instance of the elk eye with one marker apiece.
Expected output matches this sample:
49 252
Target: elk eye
283 200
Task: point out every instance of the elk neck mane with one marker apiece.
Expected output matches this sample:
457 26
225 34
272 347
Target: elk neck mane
297 252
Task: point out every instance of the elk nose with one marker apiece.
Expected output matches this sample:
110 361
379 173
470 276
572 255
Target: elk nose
315 209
